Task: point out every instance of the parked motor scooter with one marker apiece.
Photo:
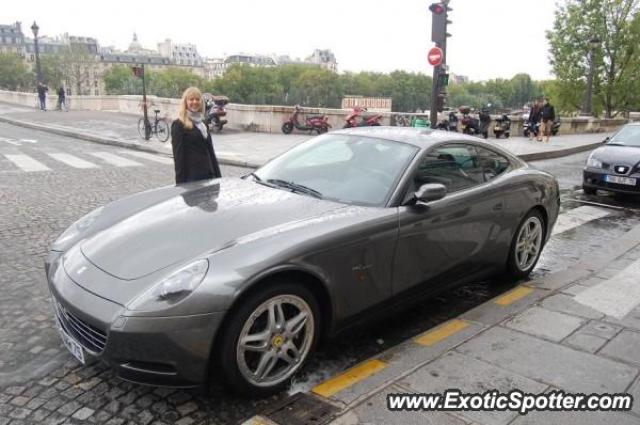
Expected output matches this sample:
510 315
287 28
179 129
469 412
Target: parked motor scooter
214 110
453 122
357 119
529 128
317 123
485 121
535 128
468 124
503 126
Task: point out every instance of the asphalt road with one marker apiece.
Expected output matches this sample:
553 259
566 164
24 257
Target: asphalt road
47 182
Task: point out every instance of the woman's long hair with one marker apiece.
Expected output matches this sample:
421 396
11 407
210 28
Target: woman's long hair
183 114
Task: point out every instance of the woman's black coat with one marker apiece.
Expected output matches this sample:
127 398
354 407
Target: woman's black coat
193 155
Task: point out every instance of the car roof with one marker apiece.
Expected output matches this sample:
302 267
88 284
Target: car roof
420 137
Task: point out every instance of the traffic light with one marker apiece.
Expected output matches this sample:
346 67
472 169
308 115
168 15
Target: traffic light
439 22
443 79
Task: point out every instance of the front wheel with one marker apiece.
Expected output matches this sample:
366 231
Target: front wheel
269 338
162 130
526 245
287 128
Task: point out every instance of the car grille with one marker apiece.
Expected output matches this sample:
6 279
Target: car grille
90 337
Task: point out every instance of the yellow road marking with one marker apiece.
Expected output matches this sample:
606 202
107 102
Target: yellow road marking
442 332
513 295
350 377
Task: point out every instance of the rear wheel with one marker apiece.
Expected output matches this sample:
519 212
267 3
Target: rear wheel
526 245
506 135
162 132
269 338
589 190
287 128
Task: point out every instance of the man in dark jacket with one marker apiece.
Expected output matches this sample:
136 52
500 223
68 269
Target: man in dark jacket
42 95
535 115
548 117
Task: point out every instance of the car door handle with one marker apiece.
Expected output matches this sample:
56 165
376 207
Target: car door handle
497 207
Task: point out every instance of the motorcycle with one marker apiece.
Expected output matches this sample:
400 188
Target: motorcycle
503 126
450 124
318 123
214 111
468 124
534 129
356 119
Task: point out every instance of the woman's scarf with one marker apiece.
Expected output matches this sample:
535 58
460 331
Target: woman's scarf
196 117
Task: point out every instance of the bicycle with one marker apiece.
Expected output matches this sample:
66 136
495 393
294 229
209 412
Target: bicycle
159 127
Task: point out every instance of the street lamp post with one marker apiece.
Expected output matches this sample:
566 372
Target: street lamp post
587 107
35 29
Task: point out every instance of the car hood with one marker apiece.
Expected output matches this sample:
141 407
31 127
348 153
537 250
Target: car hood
204 218
618 155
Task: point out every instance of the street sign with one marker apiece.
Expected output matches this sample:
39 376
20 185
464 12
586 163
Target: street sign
435 56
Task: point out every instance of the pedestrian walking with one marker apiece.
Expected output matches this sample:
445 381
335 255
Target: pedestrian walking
42 95
535 115
62 100
548 117
193 154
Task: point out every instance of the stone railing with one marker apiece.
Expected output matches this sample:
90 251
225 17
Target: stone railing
269 119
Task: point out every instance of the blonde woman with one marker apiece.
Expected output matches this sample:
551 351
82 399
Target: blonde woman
193 154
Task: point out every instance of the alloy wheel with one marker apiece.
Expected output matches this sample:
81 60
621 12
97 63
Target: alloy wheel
275 340
529 243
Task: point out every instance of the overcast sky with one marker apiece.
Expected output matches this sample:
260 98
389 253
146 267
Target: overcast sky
490 38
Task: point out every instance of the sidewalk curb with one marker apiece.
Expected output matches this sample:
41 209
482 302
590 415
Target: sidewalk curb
65 131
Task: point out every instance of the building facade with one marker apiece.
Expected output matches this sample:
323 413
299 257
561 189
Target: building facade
180 54
12 39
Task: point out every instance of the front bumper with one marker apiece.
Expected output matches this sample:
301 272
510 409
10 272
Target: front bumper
595 180
167 351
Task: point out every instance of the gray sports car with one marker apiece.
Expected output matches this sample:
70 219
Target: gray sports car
239 278
615 167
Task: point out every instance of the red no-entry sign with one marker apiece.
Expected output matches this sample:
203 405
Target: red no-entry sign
435 56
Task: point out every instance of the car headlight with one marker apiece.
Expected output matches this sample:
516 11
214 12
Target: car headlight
173 288
76 229
594 163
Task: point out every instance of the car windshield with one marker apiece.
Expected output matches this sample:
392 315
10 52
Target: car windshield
628 136
339 167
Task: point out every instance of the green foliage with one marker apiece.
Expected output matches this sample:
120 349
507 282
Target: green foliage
311 86
616 26
14 74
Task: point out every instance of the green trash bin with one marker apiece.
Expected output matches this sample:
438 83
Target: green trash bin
420 122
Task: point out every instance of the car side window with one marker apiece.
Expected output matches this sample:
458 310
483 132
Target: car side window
492 164
455 166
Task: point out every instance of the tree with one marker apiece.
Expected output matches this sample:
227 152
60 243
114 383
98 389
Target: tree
616 24
14 75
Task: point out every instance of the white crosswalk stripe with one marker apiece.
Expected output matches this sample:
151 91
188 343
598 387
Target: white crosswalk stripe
617 296
72 160
26 163
149 156
577 217
116 160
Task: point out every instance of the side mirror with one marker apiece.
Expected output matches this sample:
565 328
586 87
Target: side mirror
430 192
606 139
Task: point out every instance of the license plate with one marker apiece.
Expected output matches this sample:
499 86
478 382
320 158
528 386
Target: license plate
620 180
74 348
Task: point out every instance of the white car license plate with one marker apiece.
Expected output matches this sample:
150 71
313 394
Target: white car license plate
74 348
620 180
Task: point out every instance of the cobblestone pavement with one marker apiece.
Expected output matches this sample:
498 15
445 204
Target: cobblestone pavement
39 380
